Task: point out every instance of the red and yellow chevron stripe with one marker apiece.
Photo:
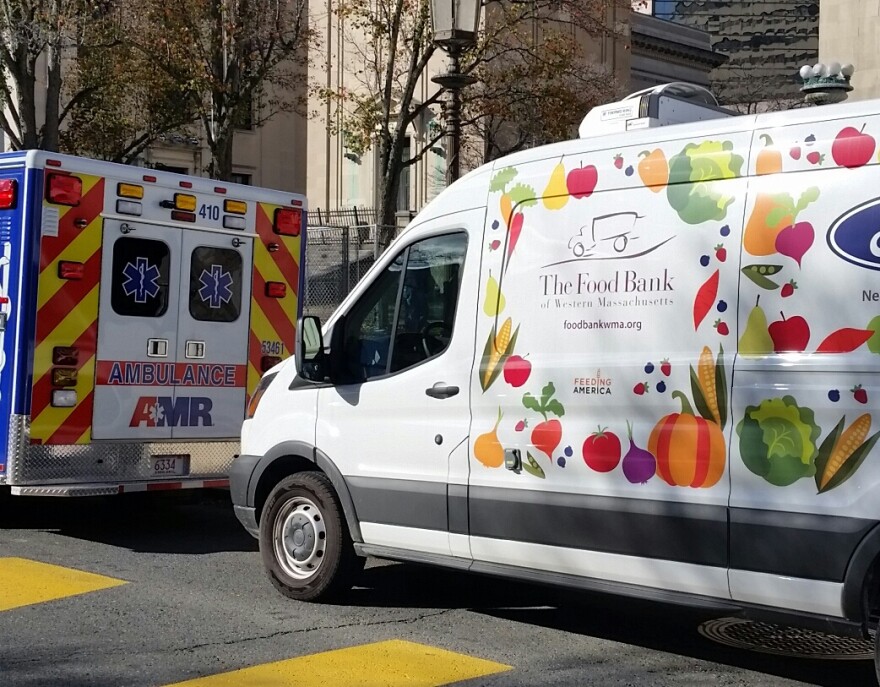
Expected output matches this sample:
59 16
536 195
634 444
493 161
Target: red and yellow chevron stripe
273 320
67 315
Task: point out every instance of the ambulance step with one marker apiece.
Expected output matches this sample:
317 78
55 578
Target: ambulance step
114 489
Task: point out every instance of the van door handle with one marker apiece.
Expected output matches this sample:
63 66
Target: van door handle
441 390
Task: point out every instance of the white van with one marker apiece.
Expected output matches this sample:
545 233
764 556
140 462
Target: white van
646 361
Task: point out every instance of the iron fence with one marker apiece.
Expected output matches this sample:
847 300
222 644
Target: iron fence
341 245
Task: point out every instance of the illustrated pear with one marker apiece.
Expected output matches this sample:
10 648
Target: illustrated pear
556 193
494 302
756 338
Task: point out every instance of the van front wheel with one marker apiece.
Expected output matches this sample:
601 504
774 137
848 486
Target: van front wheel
304 540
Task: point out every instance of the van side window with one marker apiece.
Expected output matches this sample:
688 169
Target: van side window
407 314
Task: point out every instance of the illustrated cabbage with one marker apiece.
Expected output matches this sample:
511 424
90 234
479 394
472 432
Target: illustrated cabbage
777 440
696 190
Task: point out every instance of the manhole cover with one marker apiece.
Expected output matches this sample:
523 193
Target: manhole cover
786 641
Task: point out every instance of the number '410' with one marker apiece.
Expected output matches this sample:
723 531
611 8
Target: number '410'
209 211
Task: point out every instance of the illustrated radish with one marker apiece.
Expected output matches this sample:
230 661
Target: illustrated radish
546 435
639 465
796 240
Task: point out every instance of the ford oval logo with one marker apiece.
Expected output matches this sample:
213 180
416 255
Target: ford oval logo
855 235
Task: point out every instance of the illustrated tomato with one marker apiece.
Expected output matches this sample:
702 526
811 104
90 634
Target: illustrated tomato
601 450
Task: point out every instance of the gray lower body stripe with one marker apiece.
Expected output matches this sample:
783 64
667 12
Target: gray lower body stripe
800 545
688 533
817 547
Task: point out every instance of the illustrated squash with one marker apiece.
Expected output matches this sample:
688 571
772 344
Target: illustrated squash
769 159
759 237
654 170
689 449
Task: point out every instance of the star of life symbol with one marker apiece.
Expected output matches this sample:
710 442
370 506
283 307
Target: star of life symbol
216 286
141 280
156 412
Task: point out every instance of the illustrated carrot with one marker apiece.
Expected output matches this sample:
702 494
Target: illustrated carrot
769 159
506 208
706 376
705 299
850 440
844 340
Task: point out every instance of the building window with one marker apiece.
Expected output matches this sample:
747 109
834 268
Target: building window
404 189
240 178
171 168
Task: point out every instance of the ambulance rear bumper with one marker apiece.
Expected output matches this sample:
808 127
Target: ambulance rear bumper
108 489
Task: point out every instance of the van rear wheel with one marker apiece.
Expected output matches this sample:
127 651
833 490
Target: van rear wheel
304 541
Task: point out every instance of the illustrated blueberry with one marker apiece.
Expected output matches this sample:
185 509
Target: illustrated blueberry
649 368
629 171
495 224
722 306
561 461
725 230
568 451
704 261
834 395
661 386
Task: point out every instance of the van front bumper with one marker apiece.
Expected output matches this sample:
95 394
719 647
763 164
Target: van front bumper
240 475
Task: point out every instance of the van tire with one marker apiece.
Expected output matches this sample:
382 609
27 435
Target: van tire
304 540
877 653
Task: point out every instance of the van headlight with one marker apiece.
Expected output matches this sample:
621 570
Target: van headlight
258 394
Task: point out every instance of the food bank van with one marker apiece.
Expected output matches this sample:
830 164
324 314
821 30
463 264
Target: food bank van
644 361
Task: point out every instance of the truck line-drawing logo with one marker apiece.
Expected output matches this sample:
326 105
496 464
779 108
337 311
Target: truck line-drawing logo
141 280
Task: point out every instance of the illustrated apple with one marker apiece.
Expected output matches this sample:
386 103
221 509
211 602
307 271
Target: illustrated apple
581 181
792 334
852 148
517 370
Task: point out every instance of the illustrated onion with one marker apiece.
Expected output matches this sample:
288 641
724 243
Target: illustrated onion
639 465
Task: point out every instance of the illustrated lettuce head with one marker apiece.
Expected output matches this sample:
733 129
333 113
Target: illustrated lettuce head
694 191
777 440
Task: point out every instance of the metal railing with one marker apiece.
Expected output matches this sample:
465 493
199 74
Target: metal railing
336 259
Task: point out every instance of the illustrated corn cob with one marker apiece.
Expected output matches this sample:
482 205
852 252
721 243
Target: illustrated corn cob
499 348
706 376
850 440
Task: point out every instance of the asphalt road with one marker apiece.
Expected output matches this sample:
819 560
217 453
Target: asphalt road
197 603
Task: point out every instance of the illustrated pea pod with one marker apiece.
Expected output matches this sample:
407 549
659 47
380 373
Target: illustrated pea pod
531 466
758 274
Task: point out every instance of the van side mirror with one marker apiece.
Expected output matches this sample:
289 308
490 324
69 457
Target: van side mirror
309 353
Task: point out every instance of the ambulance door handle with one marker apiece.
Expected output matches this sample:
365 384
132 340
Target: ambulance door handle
237 242
441 390
126 228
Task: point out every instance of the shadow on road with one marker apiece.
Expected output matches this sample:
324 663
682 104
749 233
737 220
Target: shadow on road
654 626
195 522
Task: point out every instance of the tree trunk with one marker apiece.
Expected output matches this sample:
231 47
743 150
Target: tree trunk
26 84
389 150
53 100
221 153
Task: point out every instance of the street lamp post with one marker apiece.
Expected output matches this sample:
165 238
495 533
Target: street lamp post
455 30
826 83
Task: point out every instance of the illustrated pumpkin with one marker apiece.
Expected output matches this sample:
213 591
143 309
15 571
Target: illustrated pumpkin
689 449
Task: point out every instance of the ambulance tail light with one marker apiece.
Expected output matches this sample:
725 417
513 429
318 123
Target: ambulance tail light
73 271
258 394
267 362
65 355
276 289
63 398
64 376
64 189
234 222
236 207
129 207
8 193
288 221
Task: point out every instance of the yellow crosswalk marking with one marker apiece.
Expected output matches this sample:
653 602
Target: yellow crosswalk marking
394 663
24 582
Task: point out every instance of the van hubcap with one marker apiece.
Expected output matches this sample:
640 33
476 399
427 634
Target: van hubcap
300 537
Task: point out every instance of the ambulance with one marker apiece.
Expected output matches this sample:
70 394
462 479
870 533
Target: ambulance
645 362
138 310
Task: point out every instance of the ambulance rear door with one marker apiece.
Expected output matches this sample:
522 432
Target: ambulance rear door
212 335
138 317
